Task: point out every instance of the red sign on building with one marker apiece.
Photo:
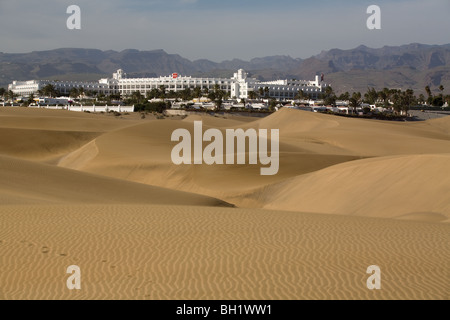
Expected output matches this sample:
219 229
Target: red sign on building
174 75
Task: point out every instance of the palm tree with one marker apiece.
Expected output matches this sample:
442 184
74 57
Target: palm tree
217 96
329 96
162 92
345 96
152 94
408 99
430 97
385 95
30 99
197 92
355 101
371 96
421 98
136 97
300 95
328 91
74 93
101 96
81 91
441 88
397 99
11 95
261 92
186 94
49 90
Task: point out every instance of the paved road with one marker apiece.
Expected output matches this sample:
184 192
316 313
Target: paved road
426 115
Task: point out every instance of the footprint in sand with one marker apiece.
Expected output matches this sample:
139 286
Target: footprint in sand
45 250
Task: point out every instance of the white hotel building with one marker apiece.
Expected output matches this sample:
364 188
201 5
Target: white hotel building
239 86
278 89
173 82
25 88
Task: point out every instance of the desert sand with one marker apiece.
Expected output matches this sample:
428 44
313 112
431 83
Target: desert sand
101 192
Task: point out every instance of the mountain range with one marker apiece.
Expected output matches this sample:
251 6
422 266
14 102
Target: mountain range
409 66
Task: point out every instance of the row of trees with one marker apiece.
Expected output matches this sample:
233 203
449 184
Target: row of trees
261 93
8 95
435 100
216 94
399 100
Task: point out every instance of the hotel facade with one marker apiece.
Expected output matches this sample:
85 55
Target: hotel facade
26 88
239 86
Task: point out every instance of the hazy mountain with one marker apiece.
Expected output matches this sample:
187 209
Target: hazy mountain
409 66
417 56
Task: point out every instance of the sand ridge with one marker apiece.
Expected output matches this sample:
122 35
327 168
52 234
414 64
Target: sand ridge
40 184
142 153
309 142
380 187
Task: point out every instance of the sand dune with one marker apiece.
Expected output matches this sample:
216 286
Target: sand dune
42 145
440 125
220 121
365 138
47 135
102 192
309 142
33 183
59 120
380 187
142 153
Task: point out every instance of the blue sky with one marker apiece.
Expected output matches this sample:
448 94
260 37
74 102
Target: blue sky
221 29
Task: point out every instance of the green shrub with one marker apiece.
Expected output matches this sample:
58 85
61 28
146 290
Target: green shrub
152 106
